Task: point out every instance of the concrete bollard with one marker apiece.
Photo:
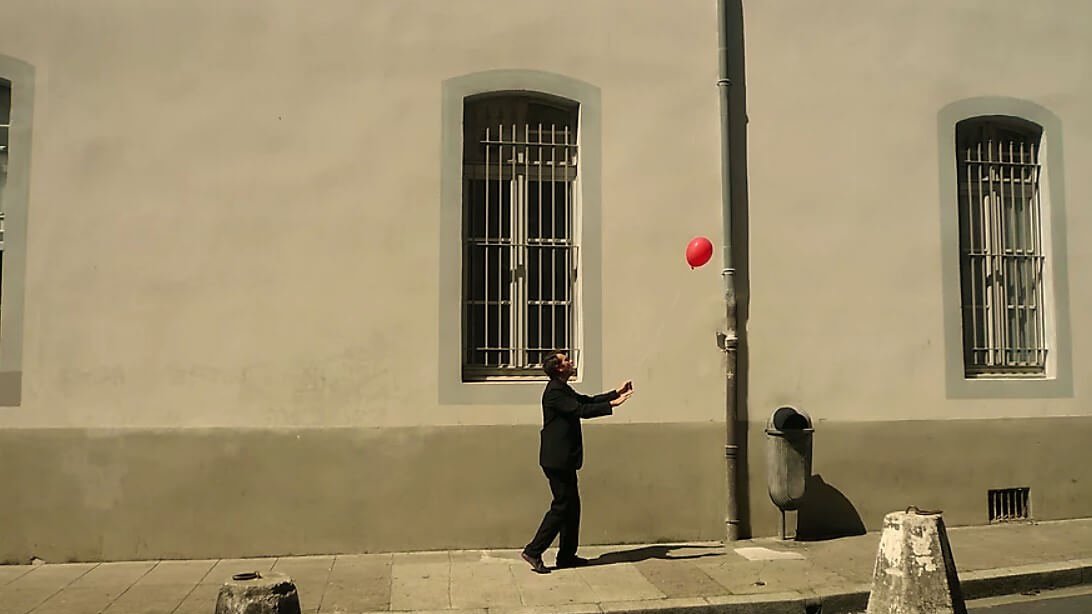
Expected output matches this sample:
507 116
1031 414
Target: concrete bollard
915 572
258 593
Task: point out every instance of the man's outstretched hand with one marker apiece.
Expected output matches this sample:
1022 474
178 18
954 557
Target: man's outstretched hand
622 399
626 387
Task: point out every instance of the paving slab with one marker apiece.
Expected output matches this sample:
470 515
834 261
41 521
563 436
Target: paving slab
761 553
569 608
757 577
310 575
21 601
225 568
619 583
995 546
851 558
177 572
150 599
678 579
10 573
309 566
557 588
200 600
483 582
80 600
358 583
113 576
49 577
673 604
421 581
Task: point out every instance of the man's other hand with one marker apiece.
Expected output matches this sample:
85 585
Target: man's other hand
621 399
626 387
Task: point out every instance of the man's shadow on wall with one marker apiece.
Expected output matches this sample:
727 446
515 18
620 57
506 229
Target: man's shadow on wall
826 513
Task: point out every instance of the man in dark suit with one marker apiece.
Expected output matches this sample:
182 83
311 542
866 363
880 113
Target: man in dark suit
561 454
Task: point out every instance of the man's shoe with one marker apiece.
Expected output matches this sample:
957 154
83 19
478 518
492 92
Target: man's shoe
535 562
571 561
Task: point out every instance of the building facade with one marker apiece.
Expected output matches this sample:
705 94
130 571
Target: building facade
276 278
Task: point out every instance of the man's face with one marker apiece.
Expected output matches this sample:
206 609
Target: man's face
565 367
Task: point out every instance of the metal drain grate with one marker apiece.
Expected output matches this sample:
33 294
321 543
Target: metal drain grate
1008 504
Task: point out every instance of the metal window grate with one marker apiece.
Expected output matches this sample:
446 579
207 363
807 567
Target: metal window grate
1001 249
1009 504
520 257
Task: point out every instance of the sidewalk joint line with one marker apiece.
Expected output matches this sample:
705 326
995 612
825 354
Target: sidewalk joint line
58 591
390 582
591 589
515 582
195 585
326 584
122 593
22 575
449 579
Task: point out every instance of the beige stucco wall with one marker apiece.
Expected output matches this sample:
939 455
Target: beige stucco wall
849 285
234 243
234 209
235 269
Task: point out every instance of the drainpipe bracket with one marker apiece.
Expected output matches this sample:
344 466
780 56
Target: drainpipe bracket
727 342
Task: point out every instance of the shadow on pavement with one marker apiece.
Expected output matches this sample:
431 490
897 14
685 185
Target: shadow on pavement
644 553
826 513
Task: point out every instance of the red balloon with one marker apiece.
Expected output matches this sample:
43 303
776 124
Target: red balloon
699 251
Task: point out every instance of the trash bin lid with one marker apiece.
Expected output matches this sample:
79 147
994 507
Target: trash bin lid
788 418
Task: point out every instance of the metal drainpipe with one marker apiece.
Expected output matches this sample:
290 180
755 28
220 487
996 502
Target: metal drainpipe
727 340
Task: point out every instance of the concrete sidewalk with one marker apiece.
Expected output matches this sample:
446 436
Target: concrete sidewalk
762 575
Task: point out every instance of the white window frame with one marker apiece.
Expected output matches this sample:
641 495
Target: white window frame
1058 381
19 77
494 395
1003 264
505 334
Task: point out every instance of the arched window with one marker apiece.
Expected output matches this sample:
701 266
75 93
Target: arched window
520 211
5 129
16 105
1002 259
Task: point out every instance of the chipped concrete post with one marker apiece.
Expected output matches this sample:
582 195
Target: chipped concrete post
258 593
915 572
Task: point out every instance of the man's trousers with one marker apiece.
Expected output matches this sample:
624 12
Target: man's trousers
562 518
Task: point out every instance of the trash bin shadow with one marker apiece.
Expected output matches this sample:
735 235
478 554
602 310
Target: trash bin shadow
826 513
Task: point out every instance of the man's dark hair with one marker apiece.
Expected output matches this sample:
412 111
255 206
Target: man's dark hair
552 363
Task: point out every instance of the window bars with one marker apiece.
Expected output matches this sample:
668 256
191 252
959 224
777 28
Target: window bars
520 258
5 129
1001 249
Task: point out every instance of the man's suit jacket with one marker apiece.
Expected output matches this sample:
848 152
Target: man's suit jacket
562 444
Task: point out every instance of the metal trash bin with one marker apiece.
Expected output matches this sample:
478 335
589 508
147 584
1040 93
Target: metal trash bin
788 458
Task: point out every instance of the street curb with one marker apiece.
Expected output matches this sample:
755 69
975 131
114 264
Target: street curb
1013 580
843 600
977 584
788 602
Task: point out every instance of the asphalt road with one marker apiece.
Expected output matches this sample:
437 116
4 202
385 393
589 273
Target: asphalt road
1041 604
